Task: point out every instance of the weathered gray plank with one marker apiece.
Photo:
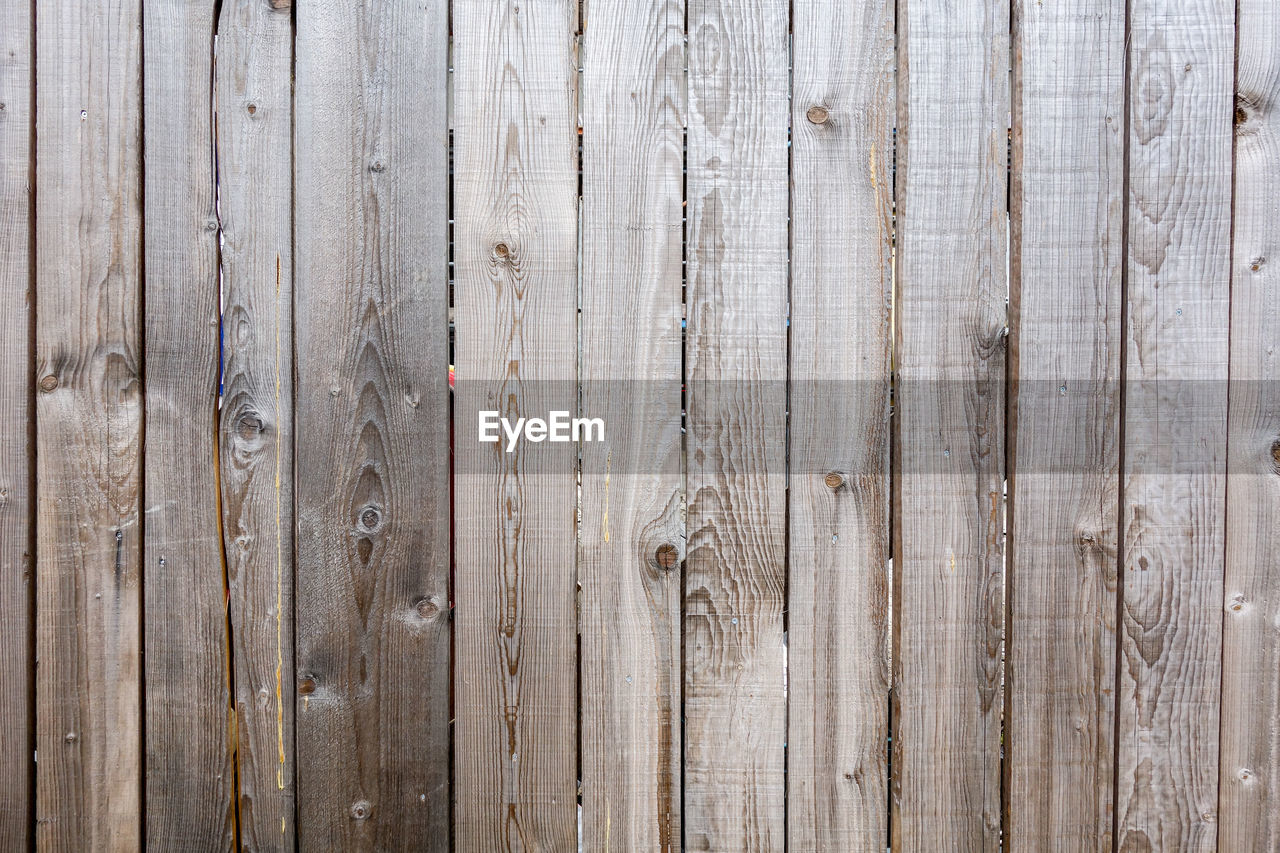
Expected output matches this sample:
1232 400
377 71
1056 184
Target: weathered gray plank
842 117
372 598
735 353
1249 790
1064 477
16 424
948 455
254 98
515 208
632 532
89 417
1172 538
189 797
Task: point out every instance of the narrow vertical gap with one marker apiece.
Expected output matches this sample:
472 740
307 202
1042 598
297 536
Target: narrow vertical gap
786 432
684 419
578 64
1120 462
684 422
233 731
32 446
1013 209
140 505
293 408
1226 504
894 441
451 354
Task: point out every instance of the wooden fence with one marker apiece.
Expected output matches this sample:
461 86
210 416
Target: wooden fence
938 505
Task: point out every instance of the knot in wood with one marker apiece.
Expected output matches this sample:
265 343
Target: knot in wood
49 383
834 479
361 809
428 608
307 686
818 114
370 518
666 556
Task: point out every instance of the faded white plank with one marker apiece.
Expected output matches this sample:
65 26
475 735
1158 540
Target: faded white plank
1174 459
1064 479
632 531
953 99
1249 789
842 118
735 354
515 297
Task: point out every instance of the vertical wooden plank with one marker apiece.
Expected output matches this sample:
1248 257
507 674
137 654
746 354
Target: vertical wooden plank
515 209
632 534
89 418
735 582
1179 243
372 401
1250 767
842 117
1067 256
948 454
16 497
189 779
253 94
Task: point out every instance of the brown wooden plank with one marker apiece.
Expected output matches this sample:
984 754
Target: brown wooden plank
842 117
372 477
735 353
1064 477
189 780
515 209
953 99
1250 768
89 412
254 99
1179 243
17 657
632 533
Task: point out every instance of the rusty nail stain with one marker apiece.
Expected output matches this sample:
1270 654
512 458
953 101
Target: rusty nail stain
307 686
666 556
49 383
834 480
70 738
818 114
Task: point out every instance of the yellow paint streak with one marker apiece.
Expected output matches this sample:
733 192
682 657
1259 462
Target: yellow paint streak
608 467
279 566
952 555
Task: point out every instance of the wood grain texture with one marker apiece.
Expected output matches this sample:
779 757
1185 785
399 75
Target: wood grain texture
953 100
842 117
1172 539
372 596
515 209
17 495
1067 257
254 99
1249 786
632 536
189 779
735 355
89 413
